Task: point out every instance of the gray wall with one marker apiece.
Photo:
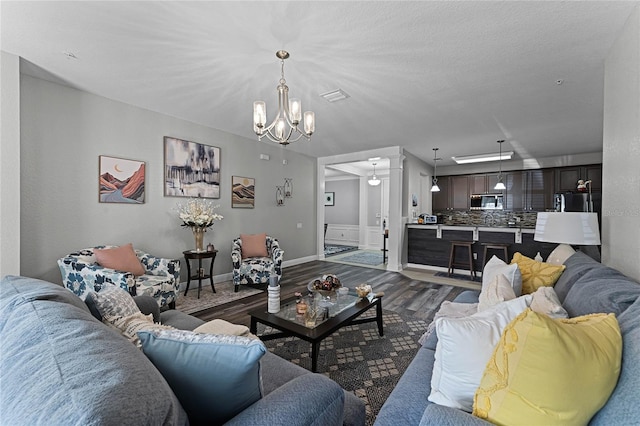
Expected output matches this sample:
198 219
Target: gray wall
621 152
9 168
347 202
65 130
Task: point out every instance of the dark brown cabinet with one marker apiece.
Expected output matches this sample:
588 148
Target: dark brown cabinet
440 199
567 177
459 190
513 195
526 190
538 190
453 194
483 184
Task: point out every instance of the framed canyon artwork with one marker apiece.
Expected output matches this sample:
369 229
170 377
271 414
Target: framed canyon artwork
243 192
191 169
121 180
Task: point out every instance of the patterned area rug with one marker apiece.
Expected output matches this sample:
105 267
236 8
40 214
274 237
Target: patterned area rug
466 277
333 249
357 358
190 303
364 257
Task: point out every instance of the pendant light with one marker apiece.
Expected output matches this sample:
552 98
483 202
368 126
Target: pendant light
500 185
374 181
434 186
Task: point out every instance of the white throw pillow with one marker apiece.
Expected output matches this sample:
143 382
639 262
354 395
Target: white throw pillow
497 266
545 301
464 347
497 291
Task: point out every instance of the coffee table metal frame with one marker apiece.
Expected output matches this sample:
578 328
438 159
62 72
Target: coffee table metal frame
316 335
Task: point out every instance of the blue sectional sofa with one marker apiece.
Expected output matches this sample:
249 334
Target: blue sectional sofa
59 365
585 287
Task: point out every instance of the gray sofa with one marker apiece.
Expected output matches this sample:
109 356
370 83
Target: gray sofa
585 287
60 365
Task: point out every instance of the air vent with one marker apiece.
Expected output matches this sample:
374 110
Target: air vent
335 95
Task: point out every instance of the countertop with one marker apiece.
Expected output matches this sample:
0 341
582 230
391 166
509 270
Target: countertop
512 230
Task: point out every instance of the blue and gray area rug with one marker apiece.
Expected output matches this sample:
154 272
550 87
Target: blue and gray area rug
333 249
364 257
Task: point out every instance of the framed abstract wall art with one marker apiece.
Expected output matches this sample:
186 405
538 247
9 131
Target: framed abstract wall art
243 192
191 169
120 180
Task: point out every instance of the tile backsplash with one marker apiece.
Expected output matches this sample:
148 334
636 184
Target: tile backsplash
496 218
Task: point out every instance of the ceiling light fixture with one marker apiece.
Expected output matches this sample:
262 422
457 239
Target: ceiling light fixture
284 128
481 158
335 95
374 181
500 185
434 181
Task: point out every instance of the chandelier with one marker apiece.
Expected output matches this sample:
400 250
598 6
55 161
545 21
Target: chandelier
284 127
374 181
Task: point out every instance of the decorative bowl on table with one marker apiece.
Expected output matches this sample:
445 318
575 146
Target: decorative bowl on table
363 290
326 285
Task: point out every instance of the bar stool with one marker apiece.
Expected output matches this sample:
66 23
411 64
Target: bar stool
496 246
452 257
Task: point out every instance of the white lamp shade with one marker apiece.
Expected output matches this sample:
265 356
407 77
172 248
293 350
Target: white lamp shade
575 228
374 181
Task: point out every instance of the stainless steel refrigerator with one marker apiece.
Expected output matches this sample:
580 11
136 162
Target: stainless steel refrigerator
578 202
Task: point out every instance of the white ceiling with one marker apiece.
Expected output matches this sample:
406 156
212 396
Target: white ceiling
453 75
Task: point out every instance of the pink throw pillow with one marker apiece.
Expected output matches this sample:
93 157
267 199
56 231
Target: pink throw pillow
254 245
121 258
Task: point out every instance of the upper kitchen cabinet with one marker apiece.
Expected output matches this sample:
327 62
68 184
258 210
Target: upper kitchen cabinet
483 184
529 190
514 194
453 194
440 199
459 189
567 177
538 189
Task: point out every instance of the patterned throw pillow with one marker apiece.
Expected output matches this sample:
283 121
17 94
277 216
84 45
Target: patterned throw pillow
497 291
545 301
112 302
130 325
215 377
545 371
536 274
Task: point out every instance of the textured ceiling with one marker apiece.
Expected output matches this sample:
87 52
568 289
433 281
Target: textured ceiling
454 75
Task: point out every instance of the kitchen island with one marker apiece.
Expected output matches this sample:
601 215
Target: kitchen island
430 245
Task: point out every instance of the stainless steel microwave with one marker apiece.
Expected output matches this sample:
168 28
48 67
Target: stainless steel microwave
487 202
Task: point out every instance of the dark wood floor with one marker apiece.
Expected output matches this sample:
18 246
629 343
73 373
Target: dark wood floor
410 298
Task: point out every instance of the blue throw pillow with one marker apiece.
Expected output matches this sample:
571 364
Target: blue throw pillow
214 376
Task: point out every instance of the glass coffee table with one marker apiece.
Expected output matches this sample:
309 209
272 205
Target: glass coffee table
343 312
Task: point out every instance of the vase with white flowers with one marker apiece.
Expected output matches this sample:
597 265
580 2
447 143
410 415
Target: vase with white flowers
199 215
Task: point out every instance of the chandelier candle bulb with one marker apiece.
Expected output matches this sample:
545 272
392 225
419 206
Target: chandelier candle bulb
295 110
259 113
309 122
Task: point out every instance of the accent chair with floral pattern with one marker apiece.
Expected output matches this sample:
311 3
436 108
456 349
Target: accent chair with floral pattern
256 270
81 274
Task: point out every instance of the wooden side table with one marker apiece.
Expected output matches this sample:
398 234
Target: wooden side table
190 255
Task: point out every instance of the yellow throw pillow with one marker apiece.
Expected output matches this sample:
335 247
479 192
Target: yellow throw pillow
547 371
536 274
